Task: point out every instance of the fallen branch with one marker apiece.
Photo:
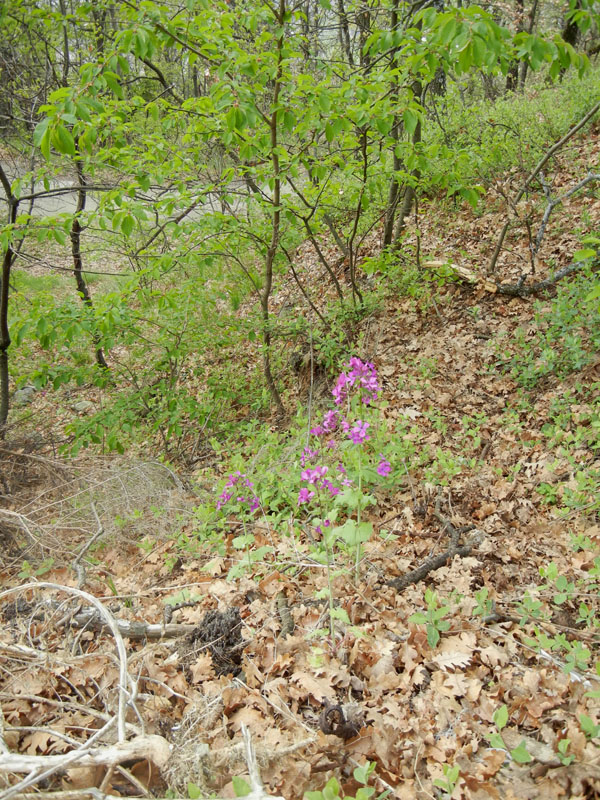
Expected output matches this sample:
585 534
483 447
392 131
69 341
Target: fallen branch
440 560
521 289
152 747
90 619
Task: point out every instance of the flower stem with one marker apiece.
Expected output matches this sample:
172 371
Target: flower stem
358 510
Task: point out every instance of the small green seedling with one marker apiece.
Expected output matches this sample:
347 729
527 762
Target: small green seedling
518 754
433 618
331 790
563 747
448 782
589 727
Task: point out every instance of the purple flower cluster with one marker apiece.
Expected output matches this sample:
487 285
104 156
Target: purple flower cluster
316 477
384 467
359 373
238 481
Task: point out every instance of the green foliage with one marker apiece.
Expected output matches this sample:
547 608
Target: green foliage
332 789
433 618
565 338
241 787
450 779
476 140
519 753
30 571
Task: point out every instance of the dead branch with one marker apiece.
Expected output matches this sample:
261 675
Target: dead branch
76 563
521 289
533 174
283 609
127 686
552 202
90 619
258 792
440 560
152 747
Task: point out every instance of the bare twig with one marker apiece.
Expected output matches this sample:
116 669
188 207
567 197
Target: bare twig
127 686
533 174
77 565
521 289
258 792
553 202
437 561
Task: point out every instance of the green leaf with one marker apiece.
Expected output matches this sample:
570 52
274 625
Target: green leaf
342 615
40 131
353 533
362 774
496 741
324 102
588 726
448 31
364 793
63 141
127 224
410 121
594 294
241 787
583 255
194 791
500 717
433 636
113 84
45 145
419 618
520 754
331 790
82 112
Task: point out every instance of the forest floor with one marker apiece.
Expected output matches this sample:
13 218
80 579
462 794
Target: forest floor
513 473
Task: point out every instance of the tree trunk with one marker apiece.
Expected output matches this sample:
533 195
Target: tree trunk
7 261
530 25
82 286
512 76
344 33
409 193
394 190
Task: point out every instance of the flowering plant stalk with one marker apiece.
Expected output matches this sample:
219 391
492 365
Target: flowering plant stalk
238 494
341 440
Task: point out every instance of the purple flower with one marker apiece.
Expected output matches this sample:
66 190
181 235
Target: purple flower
360 369
358 434
307 455
318 430
330 420
333 490
304 496
313 475
384 467
340 392
235 478
224 497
